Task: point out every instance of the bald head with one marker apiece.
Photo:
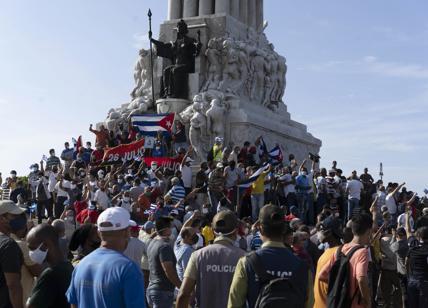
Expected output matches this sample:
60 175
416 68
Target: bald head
42 233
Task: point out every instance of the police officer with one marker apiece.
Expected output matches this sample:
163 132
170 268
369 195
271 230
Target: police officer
211 268
276 261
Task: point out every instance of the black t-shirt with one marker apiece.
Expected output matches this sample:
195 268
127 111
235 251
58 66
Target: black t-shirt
418 262
160 251
51 286
11 260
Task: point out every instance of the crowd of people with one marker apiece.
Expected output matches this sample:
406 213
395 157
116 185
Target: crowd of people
238 230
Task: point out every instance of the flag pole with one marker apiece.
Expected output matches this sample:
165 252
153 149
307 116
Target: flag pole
149 14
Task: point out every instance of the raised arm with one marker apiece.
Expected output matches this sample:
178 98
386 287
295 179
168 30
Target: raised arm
302 164
397 188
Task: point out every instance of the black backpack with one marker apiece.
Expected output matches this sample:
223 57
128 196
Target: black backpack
275 292
338 280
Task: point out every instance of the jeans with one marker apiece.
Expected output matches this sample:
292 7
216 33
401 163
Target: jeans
160 298
302 201
321 201
353 203
257 202
417 293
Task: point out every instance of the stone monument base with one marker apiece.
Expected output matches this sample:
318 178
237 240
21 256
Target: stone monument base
276 127
171 105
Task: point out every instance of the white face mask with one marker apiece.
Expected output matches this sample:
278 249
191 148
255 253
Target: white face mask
303 173
126 199
38 256
154 167
205 210
72 186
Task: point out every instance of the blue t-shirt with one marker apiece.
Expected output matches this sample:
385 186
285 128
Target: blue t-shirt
106 278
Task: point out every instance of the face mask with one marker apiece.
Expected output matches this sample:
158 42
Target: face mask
38 255
72 186
205 210
100 176
53 154
303 173
323 246
130 172
126 199
18 223
13 176
82 174
154 167
120 181
79 159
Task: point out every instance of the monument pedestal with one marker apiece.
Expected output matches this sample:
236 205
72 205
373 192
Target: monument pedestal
171 105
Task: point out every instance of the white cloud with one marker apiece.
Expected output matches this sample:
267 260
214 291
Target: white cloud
371 65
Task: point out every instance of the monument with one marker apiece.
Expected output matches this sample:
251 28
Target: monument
220 75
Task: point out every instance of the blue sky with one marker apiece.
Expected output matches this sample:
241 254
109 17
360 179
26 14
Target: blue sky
357 75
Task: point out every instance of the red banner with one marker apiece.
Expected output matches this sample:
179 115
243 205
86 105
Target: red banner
171 163
124 152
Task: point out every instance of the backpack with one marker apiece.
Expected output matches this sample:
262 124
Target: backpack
338 280
275 292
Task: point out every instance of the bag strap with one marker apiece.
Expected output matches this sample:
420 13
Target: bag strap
353 250
254 261
338 252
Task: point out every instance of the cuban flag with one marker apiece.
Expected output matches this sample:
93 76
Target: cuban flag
150 124
262 150
247 183
275 155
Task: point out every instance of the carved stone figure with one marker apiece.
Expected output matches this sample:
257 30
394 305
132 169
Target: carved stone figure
259 70
198 131
215 118
182 54
213 55
142 75
231 79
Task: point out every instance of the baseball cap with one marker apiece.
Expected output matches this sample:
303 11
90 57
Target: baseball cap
148 225
219 165
113 219
425 211
225 222
174 212
333 225
271 215
9 207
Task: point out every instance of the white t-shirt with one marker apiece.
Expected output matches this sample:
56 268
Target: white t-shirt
52 181
102 199
390 203
401 221
59 191
186 176
135 250
354 187
290 188
231 176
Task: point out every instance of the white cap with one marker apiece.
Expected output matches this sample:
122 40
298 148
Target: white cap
113 219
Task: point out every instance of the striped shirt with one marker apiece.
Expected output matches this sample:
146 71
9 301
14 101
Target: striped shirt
177 193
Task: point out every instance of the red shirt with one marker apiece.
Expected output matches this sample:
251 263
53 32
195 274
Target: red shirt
83 215
98 154
79 206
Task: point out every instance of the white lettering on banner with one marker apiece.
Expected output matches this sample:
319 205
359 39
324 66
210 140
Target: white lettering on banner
220 268
280 274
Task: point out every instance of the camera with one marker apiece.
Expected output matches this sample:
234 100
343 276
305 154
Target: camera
314 157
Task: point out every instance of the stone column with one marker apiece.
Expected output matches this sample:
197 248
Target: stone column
259 15
174 9
252 13
206 7
234 9
243 11
222 6
190 8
